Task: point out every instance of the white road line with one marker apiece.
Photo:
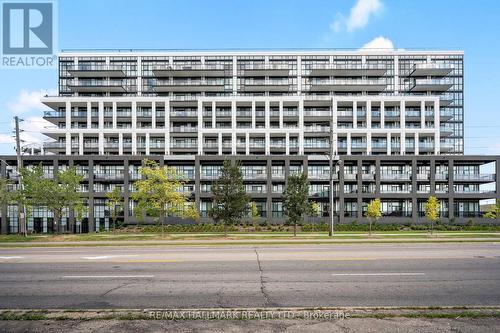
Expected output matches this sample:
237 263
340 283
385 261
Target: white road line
378 274
106 276
109 257
13 257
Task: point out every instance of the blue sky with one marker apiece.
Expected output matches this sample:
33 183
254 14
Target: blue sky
471 26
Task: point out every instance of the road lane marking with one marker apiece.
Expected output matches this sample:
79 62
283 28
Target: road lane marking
106 276
378 274
111 256
148 260
12 257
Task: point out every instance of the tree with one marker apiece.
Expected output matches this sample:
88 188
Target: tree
296 202
159 194
55 194
6 192
230 199
254 212
494 211
80 211
373 212
432 207
114 204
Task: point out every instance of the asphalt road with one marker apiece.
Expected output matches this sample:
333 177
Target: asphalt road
429 274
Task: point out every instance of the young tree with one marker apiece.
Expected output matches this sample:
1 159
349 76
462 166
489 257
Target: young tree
159 194
494 211
373 212
80 211
296 202
114 203
432 207
56 194
230 199
254 212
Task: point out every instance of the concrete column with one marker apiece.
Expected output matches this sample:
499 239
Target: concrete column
126 191
147 143
417 143
197 182
68 128
220 143
153 114
269 187
120 143
89 115
91 222
80 143
382 114
301 127
414 202
253 114
341 211
167 126
247 143
281 113
432 177
214 119
114 115
451 191
360 186
287 143
389 143
354 114
377 177
267 143
349 143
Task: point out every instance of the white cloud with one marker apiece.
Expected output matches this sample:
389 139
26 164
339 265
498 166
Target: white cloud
379 43
359 16
28 101
4 138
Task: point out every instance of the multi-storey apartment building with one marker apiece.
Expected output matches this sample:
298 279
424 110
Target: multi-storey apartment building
392 119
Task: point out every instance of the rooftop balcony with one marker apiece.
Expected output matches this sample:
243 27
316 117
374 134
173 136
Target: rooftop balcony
432 68
265 69
99 86
206 70
188 86
347 70
432 85
348 85
96 70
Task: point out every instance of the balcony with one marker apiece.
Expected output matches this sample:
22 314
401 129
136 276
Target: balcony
317 129
96 70
319 176
183 129
99 86
266 85
54 145
265 69
395 176
432 85
54 114
348 85
196 70
432 68
189 85
254 176
347 70
184 114
483 177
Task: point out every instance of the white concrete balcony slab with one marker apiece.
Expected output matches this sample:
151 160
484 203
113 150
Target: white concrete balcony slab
265 70
431 68
189 86
96 70
432 85
266 85
348 85
347 70
192 70
98 86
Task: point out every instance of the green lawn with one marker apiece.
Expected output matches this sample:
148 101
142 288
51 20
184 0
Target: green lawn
124 237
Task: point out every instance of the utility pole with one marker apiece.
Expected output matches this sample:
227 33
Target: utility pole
22 214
